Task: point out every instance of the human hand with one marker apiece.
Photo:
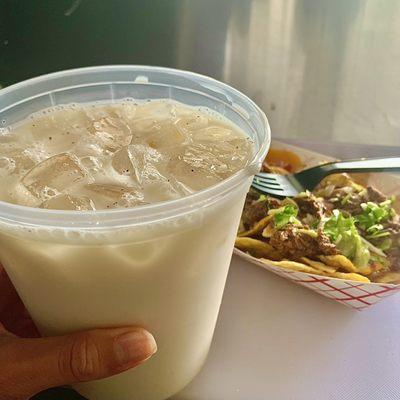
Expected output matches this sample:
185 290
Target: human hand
30 364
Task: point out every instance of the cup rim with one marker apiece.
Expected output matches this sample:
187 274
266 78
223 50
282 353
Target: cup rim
24 215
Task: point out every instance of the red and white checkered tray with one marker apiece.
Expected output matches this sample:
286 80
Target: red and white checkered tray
357 295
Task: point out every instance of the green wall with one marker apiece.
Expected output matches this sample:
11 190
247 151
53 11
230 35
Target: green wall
41 36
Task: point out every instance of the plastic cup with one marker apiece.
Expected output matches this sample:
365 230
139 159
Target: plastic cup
162 266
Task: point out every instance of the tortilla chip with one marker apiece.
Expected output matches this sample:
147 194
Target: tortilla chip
256 248
350 276
296 266
293 265
319 265
257 228
367 270
339 261
338 180
389 277
268 231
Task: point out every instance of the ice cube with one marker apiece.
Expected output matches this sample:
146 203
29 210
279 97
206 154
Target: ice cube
165 135
148 164
214 134
144 125
179 187
234 154
7 165
59 128
87 146
147 167
145 154
152 115
68 202
196 168
66 120
21 195
17 159
195 178
223 156
140 162
113 196
122 162
56 173
160 191
111 133
93 165
190 123
151 174
156 110
125 110
204 157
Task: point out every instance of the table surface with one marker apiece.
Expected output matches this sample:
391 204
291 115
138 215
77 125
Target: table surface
277 340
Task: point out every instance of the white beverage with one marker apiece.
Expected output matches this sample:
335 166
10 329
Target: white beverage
166 274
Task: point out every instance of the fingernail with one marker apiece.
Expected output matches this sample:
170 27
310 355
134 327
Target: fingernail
134 346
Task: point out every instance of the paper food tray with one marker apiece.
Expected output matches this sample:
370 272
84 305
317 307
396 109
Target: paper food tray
357 295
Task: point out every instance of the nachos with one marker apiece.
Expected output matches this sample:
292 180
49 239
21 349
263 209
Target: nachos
342 229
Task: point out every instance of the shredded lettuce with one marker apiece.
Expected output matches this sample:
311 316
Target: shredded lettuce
336 225
346 199
377 231
385 244
343 232
309 232
373 248
285 215
380 259
373 214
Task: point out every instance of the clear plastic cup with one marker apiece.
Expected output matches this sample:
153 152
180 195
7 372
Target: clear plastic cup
162 266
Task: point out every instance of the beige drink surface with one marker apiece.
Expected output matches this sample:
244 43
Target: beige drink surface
99 156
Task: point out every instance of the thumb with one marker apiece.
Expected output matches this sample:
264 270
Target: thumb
28 366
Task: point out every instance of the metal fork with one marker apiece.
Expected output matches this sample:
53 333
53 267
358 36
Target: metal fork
291 185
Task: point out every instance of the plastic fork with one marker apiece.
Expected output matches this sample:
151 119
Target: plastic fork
290 185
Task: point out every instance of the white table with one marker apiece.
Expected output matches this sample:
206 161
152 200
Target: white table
276 340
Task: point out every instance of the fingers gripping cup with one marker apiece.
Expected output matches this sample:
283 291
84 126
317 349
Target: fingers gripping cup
161 265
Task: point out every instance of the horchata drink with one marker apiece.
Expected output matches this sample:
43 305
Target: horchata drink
126 154
124 212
